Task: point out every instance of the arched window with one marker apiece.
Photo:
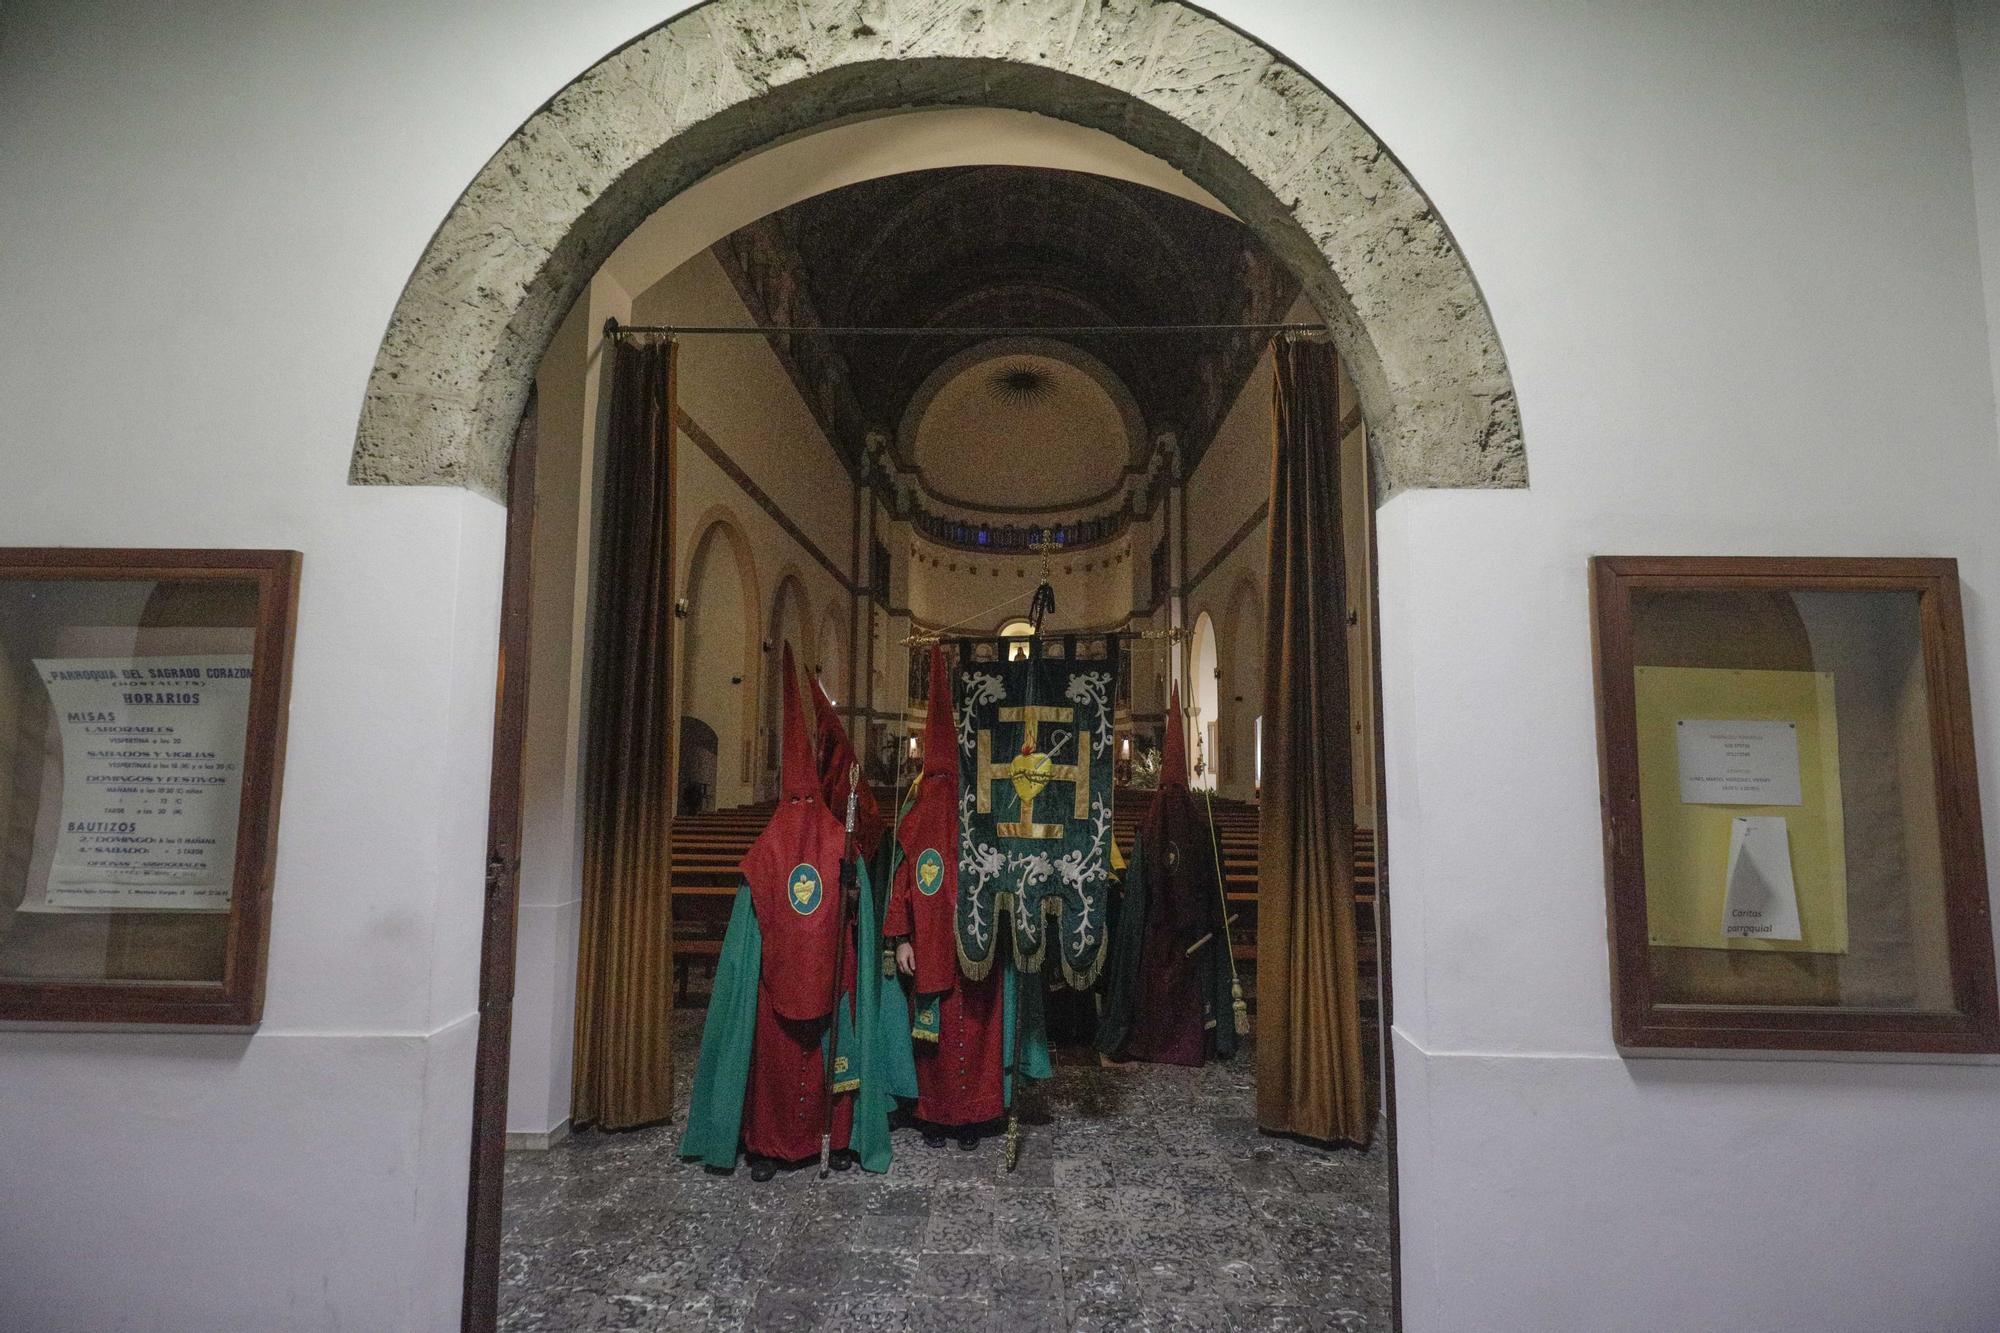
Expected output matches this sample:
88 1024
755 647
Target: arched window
1017 629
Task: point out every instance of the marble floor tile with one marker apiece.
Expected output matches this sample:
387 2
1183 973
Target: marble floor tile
1144 1199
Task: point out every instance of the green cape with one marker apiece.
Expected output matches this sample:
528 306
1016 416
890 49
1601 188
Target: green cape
715 1109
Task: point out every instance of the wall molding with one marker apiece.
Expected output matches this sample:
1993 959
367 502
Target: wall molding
525 1140
758 496
1249 525
1349 423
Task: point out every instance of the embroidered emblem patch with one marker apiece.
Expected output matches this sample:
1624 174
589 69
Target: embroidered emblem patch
806 890
930 871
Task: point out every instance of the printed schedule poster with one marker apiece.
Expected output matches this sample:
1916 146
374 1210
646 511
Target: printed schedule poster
152 781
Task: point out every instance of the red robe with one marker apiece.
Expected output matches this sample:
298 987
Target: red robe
959 1061
793 870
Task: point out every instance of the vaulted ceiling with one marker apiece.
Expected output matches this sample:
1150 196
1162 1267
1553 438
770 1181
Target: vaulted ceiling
1008 246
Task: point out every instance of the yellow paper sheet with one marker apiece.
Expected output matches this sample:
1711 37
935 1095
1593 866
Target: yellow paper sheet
1687 846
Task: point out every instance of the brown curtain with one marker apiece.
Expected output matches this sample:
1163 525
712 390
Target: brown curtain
623 1074
1311 1075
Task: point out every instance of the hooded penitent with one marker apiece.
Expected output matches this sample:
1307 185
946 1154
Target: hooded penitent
836 765
1168 999
958 1022
763 1073
837 776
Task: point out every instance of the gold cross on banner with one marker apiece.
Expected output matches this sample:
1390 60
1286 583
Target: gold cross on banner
1030 771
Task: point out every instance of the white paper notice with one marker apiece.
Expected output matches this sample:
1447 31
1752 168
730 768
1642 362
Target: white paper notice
1762 902
1738 762
152 781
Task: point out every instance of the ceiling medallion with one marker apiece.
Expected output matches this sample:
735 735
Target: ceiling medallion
1021 385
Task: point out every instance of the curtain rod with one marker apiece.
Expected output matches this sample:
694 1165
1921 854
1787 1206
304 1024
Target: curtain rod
613 329
1174 633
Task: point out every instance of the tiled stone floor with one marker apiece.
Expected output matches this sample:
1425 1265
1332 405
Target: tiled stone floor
1146 1201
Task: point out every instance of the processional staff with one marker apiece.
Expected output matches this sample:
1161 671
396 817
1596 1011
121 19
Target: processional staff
839 966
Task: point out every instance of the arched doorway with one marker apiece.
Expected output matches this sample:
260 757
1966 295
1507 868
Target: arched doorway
1279 150
830 659
695 781
1203 703
786 628
721 626
736 76
1241 697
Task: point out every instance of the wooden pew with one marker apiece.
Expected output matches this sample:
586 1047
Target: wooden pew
706 850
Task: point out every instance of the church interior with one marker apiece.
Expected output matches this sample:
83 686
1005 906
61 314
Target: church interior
999 664
992 379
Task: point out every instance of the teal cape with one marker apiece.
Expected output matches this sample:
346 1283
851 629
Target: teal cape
893 1022
722 1072
1023 1003
1121 970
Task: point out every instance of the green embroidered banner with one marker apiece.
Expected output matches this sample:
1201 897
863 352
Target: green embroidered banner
1034 822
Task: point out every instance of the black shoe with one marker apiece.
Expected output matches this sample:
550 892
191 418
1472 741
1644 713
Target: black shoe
841 1159
762 1169
933 1136
968 1139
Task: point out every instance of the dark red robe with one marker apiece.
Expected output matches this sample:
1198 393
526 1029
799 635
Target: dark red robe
1169 979
793 870
958 1058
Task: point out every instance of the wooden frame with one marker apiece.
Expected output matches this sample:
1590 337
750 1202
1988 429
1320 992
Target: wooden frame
1641 1019
238 999
479 1309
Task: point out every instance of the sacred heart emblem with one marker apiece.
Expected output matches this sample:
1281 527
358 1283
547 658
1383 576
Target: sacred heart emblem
1030 772
930 871
806 890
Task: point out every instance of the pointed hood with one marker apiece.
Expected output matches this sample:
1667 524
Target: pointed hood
797 777
940 731
923 900
836 758
835 751
1173 758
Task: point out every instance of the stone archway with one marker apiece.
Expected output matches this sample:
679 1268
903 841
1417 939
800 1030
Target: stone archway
704 88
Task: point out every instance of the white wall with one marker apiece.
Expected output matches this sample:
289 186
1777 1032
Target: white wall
1733 253
1978 33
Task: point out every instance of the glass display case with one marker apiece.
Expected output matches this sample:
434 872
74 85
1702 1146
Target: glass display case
1791 806
142 717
